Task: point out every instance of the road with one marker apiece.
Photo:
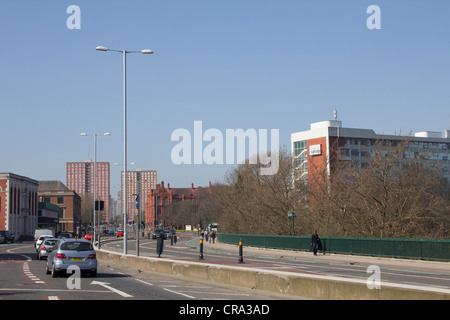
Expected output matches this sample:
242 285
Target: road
413 273
22 277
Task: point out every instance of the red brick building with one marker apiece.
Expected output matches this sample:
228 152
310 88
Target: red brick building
161 197
55 192
18 204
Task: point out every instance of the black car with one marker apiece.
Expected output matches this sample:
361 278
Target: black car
159 233
6 236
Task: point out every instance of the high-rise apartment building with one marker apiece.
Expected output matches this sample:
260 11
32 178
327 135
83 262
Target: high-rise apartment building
80 178
140 183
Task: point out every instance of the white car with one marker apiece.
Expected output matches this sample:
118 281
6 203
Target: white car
41 239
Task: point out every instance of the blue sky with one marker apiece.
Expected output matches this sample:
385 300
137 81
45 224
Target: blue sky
229 63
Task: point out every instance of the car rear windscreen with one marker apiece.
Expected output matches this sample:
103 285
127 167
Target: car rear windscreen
77 246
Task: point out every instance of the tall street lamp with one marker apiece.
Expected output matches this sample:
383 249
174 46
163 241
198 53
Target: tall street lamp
95 176
124 53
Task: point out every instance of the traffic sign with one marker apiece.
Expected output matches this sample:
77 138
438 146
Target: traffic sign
292 214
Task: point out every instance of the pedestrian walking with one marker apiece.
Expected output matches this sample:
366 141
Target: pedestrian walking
174 235
315 243
213 236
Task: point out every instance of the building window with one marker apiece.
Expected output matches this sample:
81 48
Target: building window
60 200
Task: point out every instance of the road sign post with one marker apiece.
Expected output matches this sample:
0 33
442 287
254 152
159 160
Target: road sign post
292 215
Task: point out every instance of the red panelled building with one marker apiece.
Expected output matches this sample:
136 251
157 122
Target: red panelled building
80 178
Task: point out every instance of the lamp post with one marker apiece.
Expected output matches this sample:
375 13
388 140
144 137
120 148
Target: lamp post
95 176
124 200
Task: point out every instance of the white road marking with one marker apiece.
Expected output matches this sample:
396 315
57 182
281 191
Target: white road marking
181 294
106 285
147 283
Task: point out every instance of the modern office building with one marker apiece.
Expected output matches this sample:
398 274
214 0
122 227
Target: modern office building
139 184
18 205
80 178
317 149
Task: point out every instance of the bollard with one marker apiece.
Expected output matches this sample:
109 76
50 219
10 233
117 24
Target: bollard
159 246
241 258
201 250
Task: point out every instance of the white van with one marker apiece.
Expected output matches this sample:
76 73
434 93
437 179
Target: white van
42 232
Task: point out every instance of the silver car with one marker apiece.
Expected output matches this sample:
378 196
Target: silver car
44 249
72 252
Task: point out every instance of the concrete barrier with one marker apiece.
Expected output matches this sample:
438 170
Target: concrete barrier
307 286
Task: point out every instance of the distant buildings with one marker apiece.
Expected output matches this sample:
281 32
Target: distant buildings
316 150
139 183
161 197
68 201
80 178
18 205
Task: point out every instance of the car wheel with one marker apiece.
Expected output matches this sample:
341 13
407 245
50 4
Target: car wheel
46 269
94 274
54 273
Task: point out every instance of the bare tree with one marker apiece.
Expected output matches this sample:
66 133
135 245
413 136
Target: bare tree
392 196
258 204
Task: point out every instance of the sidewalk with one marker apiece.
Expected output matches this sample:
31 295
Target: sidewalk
385 262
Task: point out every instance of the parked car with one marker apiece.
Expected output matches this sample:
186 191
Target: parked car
6 236
159 233
119 233
41 239
69 252
45 248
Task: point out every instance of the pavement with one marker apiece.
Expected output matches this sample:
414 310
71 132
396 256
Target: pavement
386 262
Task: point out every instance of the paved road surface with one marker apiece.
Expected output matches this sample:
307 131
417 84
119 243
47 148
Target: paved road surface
407 272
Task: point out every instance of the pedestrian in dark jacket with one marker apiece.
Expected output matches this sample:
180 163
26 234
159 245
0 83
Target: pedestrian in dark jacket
315 243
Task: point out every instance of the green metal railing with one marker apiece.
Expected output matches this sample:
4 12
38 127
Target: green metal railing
422 249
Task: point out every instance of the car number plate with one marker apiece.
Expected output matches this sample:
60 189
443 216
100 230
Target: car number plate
77 259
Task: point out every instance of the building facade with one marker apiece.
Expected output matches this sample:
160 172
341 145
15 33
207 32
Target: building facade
69 202
161 197
18 205
139 185
48 216
316 150
80 178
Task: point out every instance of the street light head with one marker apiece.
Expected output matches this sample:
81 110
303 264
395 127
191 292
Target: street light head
83 134
101 48
107 134
147 51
